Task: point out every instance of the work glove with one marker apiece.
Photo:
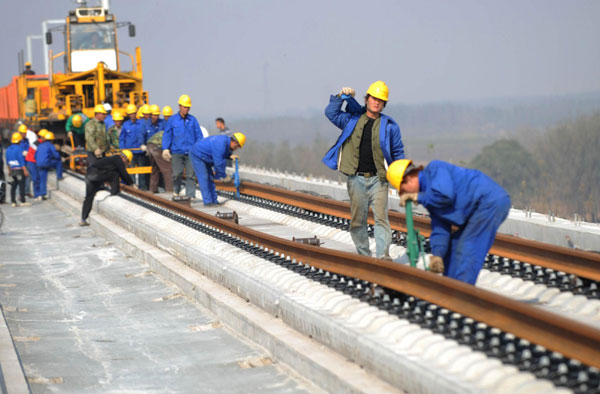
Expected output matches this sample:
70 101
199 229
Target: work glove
166 155
347 92
227 179
234 157
24 153
70 134
436 264
408 196
98 153
144 148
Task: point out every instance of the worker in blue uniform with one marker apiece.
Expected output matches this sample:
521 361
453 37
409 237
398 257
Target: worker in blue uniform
154 125
182 132
209 157
454 196
132 138
47 157
17 170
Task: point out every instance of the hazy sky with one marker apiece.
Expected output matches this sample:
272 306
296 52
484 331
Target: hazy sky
267 57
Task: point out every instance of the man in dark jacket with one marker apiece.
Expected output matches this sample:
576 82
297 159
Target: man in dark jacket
110 169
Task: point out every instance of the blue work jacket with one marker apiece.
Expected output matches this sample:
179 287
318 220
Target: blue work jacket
389 133
46 154
213 150
181 134
24 144
152 129
451 194
14 157
108 121
132 136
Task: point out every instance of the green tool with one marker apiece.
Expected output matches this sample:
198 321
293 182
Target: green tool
415 242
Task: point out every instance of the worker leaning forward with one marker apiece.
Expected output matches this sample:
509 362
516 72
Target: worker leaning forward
182 131
109 169
96 140
132 138
75 128
454 196
368 143
209 157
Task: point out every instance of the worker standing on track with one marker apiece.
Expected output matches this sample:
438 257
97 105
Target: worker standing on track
114 131
132 137
47 157
96 141
454 196
369 141
75 128
16 169
159 164
209 157
155 125
108 169
182 132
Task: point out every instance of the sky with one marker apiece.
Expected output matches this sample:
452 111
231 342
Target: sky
265 58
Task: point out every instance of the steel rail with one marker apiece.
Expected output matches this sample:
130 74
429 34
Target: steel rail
571 261
571 338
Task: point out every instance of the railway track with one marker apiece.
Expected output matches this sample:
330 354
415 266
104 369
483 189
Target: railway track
511 331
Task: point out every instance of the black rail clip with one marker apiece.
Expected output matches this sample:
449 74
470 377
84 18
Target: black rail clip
231 216
309 241
183 200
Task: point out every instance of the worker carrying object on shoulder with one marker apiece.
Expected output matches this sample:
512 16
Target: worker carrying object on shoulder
109 169
210 155
454 196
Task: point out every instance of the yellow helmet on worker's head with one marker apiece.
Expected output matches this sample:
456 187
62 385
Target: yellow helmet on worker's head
155 109
42 133
15 138
127 153
22 128
99 109
49 136
117 115
167 111
397 170
131 109
379 90
77 120
27 64
240 138
185 100
146 109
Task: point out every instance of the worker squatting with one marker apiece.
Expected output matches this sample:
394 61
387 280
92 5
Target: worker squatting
369 151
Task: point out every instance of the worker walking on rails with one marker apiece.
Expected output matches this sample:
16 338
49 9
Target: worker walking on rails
132 137
16 169
454 196
109 169
209 157
75 128
96 140
47 157
182 131
368 143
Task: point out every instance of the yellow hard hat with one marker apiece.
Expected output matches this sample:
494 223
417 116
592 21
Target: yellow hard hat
49 136
27 64
22 128
117 115
155 109
379 90
139 114
396 171
127 154
99 109
16 138
167 111
131 109
146 109
185 100
42 133
77 121
240 138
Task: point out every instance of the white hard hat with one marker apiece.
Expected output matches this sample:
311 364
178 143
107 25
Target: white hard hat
107 107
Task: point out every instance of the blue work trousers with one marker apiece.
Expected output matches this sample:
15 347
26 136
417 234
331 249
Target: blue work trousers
35 177
43 174
364 193
470 244
204 173
179 162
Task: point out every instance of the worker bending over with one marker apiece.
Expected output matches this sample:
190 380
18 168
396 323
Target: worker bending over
211 154
109 169
454 196
47 157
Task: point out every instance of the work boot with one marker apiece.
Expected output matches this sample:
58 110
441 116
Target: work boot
83 223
